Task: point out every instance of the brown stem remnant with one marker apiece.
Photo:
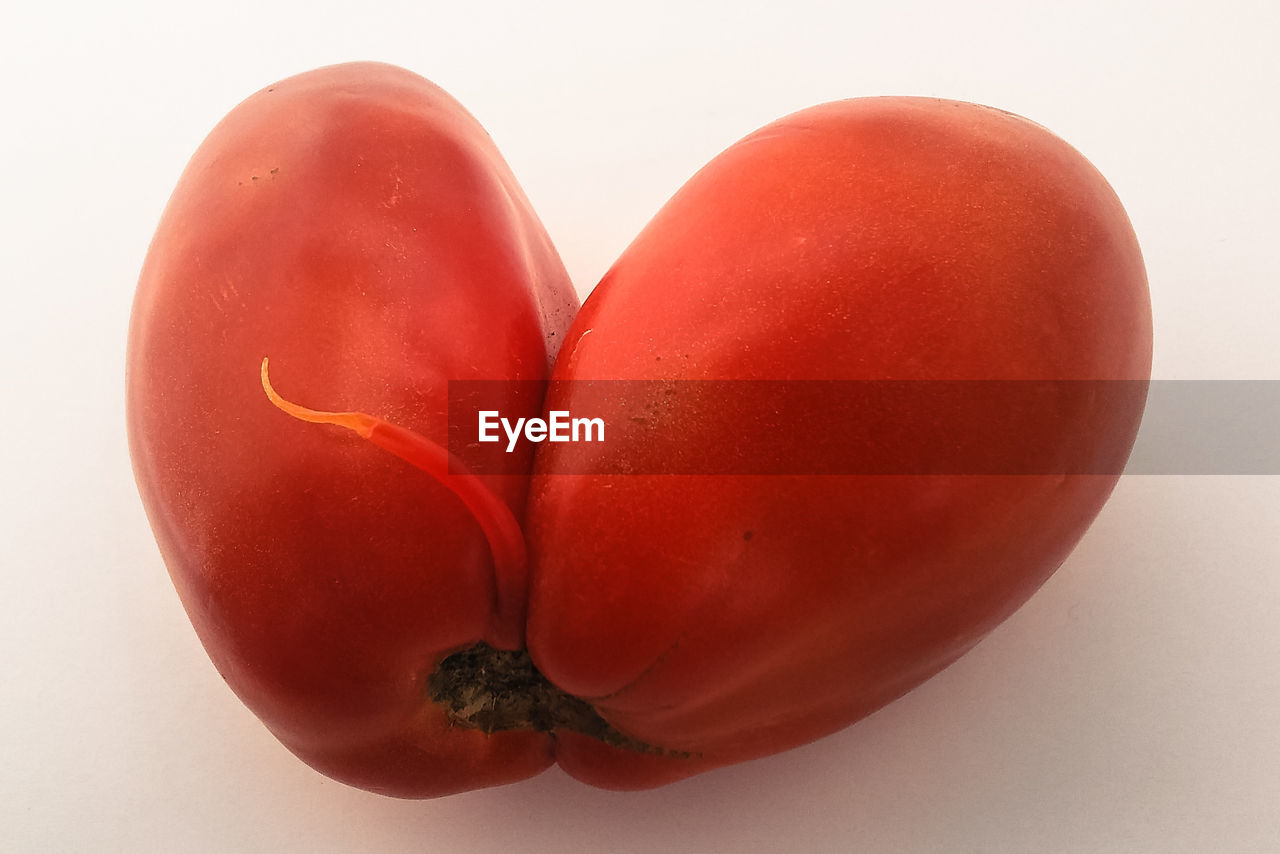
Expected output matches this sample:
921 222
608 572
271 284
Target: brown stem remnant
495 690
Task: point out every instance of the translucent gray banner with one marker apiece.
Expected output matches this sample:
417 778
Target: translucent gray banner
836 427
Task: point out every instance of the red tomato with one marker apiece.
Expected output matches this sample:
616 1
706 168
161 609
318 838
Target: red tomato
358 227
873 239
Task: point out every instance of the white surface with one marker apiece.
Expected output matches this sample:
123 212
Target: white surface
1131 706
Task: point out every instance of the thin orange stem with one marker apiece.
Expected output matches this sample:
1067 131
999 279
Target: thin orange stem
500 527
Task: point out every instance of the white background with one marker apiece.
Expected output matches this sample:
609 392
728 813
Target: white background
1133 705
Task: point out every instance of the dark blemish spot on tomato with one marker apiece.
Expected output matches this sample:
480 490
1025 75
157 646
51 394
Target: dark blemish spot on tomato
746 535
495 690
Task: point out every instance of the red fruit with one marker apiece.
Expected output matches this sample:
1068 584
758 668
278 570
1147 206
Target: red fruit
358 227
872 239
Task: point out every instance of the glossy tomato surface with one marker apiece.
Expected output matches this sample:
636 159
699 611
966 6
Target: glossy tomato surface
358 227
872 239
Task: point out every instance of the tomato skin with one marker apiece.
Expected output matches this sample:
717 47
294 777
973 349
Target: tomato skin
355 225
358 227
883 238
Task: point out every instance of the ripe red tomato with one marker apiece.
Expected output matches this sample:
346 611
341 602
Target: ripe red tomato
358 227
872 239
355 225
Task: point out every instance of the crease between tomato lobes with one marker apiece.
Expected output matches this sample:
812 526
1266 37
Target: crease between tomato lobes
501 530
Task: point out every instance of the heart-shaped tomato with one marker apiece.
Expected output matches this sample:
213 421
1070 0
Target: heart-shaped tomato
359 228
